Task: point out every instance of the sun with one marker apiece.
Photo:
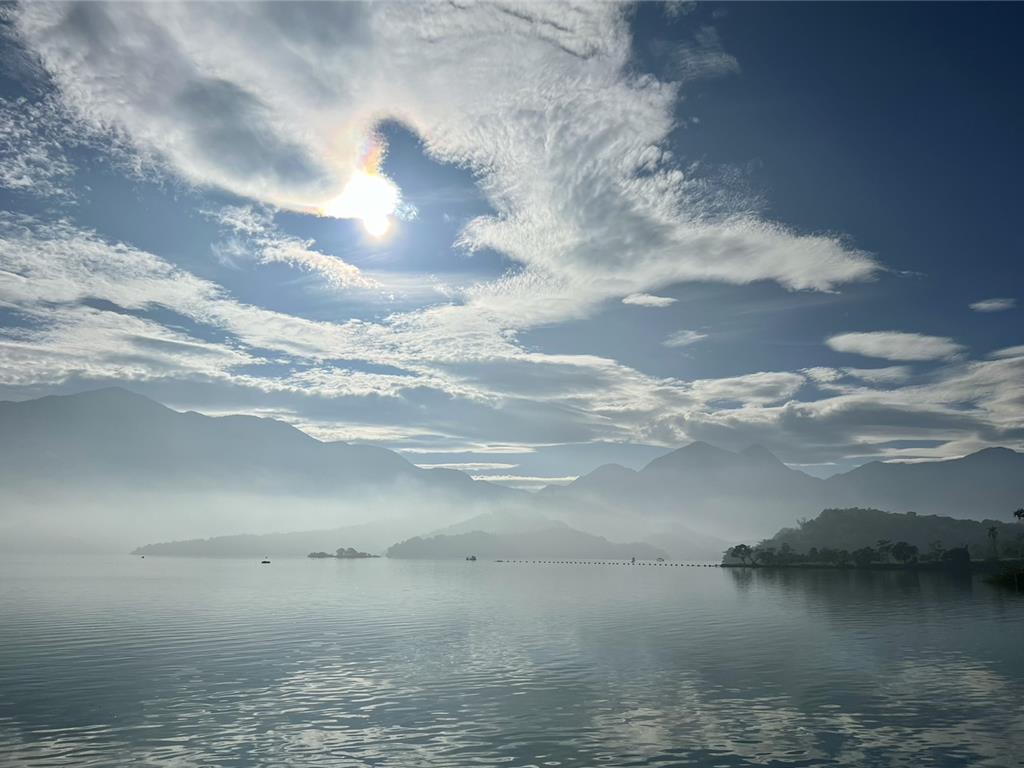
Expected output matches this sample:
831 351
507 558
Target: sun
377 226
370 197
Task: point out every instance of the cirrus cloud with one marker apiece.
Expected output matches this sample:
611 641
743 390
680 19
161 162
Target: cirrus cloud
684 338
570 145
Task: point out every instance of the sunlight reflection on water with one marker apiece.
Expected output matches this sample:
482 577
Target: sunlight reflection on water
120 661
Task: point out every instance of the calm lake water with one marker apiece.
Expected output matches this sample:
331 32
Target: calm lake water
120 661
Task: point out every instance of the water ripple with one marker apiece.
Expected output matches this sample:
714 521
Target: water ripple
162 662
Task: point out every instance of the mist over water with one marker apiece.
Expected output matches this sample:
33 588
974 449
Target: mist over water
124 661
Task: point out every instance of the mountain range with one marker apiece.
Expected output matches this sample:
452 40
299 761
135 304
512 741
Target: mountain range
113 465
752 493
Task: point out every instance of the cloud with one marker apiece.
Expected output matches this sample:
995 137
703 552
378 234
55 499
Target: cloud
684 338
526 482
279 104
703 58
32 156
261 236
647 300
893 374
839 379
761 388
470 466
1009 352
993 305
569 144
447 379
895 345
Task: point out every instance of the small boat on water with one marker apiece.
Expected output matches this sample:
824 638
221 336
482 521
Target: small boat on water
472 558
265 561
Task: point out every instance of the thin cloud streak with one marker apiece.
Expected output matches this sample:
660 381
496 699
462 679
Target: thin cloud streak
993 305
648 300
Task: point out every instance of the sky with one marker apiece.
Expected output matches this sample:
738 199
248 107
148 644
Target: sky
525 240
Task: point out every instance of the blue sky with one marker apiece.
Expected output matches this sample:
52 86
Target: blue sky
611 230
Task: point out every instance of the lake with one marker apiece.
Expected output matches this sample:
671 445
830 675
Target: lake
124 661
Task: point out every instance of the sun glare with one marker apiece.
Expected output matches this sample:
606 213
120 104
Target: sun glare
369 197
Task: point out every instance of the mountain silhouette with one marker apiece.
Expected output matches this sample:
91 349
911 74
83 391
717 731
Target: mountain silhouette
752 493
556 542
69 463
115 467
115 436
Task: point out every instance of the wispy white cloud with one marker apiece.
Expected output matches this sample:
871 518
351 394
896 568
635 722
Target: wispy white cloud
895 345
270 245
648 300
84 311
704 57
892 374
32 156
684 338
993 305
763 388
569 145
469 466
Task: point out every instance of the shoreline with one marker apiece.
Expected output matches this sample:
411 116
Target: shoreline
975 566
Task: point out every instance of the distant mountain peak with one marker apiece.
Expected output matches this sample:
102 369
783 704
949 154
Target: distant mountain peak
698 455
111 395
700 445
759 453
106 393
994 451
611 470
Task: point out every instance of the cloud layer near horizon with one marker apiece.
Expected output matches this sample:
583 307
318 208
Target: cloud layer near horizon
86 309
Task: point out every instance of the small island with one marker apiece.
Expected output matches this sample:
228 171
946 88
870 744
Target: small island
342 553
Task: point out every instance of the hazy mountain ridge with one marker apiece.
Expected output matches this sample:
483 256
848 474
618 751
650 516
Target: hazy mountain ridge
989 482
370 537
115 435
152 473
712 489
558 542
115 466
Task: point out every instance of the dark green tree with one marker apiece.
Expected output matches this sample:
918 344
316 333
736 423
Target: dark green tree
904 552
742 552
864 556
786 554
766 556
884 547
993 537
828 555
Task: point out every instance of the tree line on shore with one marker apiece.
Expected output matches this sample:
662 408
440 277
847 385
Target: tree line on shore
886 552
835 526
